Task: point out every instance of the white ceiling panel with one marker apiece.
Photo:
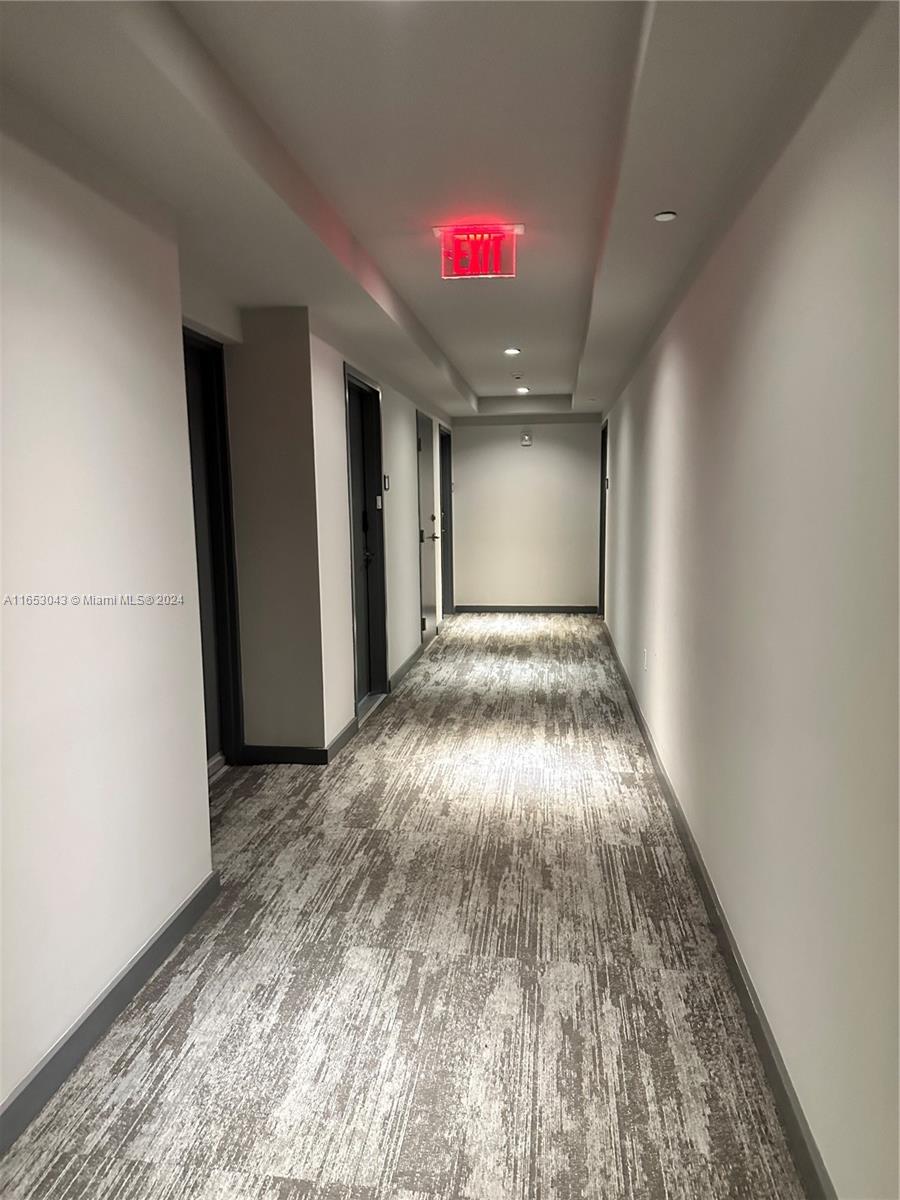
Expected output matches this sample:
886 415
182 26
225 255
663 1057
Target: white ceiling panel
307 149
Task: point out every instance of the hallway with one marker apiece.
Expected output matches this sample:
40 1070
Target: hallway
468 959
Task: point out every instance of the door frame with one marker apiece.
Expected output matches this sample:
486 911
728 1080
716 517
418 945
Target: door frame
224 561
422 537
604 489
378 636
445 438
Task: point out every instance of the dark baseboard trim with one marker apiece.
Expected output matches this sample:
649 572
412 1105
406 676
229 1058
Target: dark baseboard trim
527 608
337 743
405 668
369 705
33 1093
317 756
310 756
260 756
807 1158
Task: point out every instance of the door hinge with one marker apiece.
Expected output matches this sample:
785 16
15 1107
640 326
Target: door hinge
418 444
423 625
422 535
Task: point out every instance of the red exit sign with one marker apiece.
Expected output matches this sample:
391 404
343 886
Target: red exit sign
478 251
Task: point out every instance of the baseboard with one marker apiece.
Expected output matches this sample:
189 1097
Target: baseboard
37 1088
340 741
260 756
310 756
405 668
527 608
807 1158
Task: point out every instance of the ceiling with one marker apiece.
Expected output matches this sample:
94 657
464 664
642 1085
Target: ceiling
306 151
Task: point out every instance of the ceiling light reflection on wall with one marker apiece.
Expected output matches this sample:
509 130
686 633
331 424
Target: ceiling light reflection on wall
666 215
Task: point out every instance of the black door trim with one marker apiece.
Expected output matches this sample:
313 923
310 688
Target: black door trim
427 637
228 635
445 467
380 680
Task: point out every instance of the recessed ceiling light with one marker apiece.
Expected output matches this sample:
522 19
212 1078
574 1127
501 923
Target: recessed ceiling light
512 351
666 215
523 390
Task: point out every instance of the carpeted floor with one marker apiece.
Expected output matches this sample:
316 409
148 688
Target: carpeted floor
466 960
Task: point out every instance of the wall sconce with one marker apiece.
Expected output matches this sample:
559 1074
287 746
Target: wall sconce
526 437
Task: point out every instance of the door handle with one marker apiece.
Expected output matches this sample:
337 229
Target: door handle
433 537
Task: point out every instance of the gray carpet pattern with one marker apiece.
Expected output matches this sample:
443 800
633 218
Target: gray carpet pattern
467 960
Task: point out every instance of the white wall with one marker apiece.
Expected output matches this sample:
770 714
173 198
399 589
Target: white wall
105 816
753 552
526 519
333 508
270 421
401 528
205 309
262 423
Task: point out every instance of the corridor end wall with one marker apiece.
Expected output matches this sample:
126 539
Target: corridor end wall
526 518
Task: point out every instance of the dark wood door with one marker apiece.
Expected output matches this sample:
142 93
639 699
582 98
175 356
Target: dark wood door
367 538
446 469
204 369
361 553
197 367
429 535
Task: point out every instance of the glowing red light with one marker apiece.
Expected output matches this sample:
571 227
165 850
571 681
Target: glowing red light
478 251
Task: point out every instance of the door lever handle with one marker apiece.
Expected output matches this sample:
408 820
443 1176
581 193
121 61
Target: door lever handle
433 537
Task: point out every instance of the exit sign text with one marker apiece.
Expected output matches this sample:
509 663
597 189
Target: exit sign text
478 251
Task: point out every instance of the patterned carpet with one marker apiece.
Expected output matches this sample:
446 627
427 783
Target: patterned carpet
466 960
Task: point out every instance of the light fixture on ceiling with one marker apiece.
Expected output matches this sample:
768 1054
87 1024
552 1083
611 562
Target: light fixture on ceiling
512 351
523 390
478 251
667 214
